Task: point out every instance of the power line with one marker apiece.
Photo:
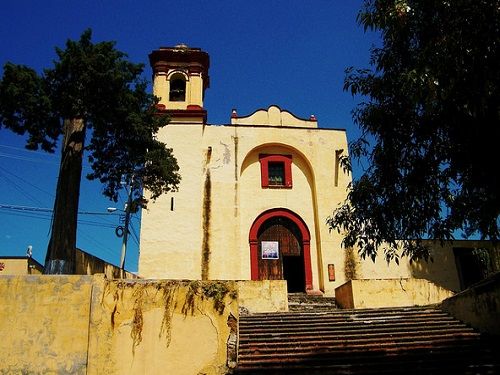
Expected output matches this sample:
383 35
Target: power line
26 150
26 182
56 161
41 213
134 234
42 209
43 216
25 158
98 244
21 190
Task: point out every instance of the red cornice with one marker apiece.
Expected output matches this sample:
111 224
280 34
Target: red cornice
193 59
190 112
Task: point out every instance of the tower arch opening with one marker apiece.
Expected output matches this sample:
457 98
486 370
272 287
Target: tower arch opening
177 91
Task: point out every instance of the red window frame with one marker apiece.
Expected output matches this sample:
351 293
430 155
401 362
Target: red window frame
265 159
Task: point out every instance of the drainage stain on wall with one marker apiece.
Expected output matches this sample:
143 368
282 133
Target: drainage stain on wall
207 207
350 264
235 139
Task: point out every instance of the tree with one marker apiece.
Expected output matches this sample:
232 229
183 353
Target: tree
430 127
92 92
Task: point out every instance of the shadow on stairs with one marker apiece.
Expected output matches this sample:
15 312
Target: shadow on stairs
325 340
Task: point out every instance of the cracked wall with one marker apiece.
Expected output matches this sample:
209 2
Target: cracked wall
91 325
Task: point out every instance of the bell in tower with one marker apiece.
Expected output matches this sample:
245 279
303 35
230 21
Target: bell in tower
180 77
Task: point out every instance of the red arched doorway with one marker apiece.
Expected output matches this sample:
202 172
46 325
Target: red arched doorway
280 249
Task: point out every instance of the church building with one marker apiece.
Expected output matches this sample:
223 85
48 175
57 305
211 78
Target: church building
255 195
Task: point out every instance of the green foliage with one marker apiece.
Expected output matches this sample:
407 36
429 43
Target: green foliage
25 107
217 291
96 83
430 127
213 290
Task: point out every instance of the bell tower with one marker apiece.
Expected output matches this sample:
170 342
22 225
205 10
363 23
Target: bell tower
180 78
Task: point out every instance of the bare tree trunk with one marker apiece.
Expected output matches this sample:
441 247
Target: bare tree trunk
60 258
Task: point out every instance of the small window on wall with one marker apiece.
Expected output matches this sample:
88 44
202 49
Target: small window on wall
276 171
177 88
276 175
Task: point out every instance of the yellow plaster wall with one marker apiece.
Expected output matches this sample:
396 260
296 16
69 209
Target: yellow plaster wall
161 87
478 306
159 327
171 241
44 324
441 268
20 266
91 325
195 90
360 294
87 264
263 296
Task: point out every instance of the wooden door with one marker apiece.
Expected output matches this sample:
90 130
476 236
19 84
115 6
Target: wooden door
278 238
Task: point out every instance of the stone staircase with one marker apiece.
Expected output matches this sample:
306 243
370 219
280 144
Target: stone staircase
413 340
301 302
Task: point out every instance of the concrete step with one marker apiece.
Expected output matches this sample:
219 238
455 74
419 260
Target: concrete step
298 302
391 340
291 340
417 361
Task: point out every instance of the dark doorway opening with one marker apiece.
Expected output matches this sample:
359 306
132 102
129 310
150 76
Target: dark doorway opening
283 235
470 268
293 273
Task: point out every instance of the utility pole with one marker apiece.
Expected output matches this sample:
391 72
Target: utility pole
128 207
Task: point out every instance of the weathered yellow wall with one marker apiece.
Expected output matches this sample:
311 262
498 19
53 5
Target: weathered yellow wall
359 294
172 242
19 266
262 296
441 269
87 264
478 306
167 327
171 239
344 297
44 324
90 325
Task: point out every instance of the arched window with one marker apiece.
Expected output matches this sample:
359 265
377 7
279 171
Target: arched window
177 88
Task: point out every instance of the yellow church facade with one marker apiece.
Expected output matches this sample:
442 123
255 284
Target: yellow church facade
254 198
254 195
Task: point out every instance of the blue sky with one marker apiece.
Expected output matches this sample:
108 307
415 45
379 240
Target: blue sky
290 53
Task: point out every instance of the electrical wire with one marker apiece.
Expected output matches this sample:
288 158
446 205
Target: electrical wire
134 234
56 161
98 244
25 150
21 190
25 158
46 213
26 182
